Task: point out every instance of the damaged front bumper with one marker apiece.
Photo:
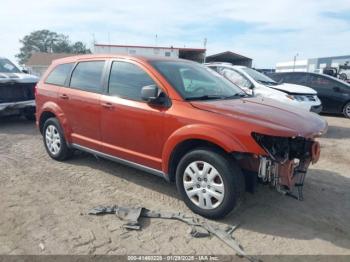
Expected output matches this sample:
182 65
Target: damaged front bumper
286 163
16 107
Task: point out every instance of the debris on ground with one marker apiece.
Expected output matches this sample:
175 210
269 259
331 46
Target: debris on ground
199 227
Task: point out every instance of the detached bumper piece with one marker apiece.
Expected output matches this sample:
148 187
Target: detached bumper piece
199 227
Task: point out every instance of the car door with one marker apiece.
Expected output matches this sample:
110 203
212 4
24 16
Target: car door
80 103
329 92
131 128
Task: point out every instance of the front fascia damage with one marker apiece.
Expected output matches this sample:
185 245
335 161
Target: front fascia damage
285 164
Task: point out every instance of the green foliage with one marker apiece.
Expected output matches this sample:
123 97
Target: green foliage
48 42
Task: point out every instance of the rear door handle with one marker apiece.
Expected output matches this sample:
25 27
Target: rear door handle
108 105
64 96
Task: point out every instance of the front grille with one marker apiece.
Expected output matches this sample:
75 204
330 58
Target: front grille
16 92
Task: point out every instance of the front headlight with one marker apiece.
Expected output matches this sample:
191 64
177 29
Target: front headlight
296 97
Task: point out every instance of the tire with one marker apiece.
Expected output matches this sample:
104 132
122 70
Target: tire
223 175
343 76
346 110
57 148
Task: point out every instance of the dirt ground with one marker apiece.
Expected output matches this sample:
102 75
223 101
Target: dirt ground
43 204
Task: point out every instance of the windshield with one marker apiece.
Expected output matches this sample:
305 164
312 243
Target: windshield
196 82
7 67
259 77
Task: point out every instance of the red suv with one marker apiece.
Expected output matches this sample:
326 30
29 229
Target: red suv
179 120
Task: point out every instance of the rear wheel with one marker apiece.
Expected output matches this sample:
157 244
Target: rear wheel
346 110
54 140
210 183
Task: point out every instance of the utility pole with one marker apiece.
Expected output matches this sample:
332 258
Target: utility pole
205 47
295 58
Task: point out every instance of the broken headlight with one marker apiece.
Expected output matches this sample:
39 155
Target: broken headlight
276 147
281 149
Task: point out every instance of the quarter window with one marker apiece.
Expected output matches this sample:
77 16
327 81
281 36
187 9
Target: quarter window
59 74
126 81
87 76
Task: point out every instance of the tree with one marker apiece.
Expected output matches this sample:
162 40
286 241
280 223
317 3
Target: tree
48 42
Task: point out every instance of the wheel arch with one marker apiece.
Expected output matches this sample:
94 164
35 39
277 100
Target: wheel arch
51 109
194 136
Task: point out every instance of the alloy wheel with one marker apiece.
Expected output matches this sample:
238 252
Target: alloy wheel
203 185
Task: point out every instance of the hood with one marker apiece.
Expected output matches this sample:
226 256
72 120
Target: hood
294 89
269 116
18 77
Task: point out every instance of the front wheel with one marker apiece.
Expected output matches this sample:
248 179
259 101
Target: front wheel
346 110
210 183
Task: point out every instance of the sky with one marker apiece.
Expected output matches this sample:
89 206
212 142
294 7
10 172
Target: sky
268 31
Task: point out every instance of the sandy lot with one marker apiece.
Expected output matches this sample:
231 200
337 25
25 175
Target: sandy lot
43 204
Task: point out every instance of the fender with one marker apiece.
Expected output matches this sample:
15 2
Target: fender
212 134
58 112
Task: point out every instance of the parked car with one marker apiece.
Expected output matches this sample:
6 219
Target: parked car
254 82
176 119
334 93
16 91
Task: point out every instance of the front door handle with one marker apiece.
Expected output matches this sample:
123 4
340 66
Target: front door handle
107 105
64 96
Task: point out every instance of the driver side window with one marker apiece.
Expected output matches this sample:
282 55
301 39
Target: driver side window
126 80
236 78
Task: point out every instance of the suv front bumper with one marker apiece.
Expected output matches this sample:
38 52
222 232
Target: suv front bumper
16 107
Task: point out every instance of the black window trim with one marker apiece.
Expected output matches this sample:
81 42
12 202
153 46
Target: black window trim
153 77
102 81
69 75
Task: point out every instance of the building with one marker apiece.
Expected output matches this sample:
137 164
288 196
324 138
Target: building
312 64
230 57
39 62
194 54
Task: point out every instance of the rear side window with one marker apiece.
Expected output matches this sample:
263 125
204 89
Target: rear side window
87 76
126 80
59 75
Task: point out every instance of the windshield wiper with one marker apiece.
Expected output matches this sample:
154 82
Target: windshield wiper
268 82
237 95
205 97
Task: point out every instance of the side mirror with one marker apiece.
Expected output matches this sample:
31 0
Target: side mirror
25 71
149 93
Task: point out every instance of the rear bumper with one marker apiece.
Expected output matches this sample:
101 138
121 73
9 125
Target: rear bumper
8 108
316 109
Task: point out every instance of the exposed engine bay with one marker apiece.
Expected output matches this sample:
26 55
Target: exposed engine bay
286 163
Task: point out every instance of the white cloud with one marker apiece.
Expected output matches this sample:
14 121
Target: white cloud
276 29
